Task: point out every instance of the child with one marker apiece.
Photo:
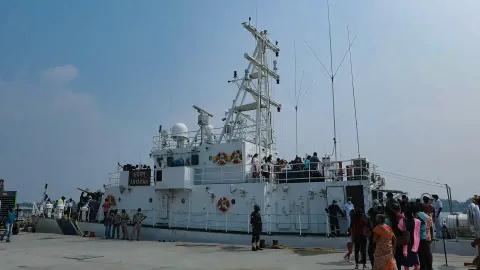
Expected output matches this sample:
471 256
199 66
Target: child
349 249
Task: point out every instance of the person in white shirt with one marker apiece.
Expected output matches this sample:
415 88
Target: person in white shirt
347 208
437 206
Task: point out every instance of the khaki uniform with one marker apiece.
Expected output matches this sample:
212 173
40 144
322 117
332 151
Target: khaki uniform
137 225
124 220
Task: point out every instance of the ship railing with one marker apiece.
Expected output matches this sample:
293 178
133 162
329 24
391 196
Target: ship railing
113 180
219 174
312 172
217 221
246 132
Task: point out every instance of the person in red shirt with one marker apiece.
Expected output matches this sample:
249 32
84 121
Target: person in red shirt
106 208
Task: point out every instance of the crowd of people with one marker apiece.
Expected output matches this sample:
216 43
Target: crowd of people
115 220
268 168
395 235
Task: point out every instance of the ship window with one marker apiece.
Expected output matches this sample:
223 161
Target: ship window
150 200
119 199
233 201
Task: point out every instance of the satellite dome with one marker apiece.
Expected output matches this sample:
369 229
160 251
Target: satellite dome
180 130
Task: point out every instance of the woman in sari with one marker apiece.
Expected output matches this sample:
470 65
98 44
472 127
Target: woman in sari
384 239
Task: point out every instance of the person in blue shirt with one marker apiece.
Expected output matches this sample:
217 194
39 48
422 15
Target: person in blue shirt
11 217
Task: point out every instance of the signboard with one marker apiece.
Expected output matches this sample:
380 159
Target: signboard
139 177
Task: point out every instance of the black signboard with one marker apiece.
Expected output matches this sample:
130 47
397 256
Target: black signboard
139 177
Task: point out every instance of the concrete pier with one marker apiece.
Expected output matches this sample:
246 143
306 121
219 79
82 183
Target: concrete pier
58 252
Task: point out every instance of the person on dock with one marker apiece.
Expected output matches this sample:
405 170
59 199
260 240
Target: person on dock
473 212
410 238
117 220
424 250
10 220
437 206
385 243
124 221
359 231
333 212
138 218
348 208
372 216
108 222
106 207
256 224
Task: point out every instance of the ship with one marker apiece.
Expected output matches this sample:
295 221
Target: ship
202 185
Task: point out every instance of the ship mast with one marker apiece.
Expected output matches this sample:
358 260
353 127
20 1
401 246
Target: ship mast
254 116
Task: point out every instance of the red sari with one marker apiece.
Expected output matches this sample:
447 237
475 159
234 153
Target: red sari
384 257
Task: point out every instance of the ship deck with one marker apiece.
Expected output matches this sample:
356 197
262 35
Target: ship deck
51 251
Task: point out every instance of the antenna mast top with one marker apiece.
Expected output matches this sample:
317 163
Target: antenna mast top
256 85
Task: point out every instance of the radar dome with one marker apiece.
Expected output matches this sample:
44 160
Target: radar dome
180 130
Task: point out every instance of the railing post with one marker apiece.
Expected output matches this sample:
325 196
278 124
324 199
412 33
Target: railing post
226 222
309 174
206 222
300 224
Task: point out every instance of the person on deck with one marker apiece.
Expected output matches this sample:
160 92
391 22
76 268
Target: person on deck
385 242
314 161
256 224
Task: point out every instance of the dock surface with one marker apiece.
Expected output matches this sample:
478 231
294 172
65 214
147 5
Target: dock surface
58 252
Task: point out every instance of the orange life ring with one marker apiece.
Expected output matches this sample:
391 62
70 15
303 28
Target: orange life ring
236 157
223 204
221 158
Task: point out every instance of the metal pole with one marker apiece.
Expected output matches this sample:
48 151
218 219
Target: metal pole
353 92
332 77
444 228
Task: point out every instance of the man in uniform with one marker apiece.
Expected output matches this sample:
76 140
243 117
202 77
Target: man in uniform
138 218
124 220
256 223
333 211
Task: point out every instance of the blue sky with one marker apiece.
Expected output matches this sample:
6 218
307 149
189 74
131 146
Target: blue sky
86 84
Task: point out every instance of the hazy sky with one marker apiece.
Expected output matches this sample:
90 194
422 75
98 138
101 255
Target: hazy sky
84 85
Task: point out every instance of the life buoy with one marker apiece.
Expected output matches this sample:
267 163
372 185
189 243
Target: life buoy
223 204
221 158
236 157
